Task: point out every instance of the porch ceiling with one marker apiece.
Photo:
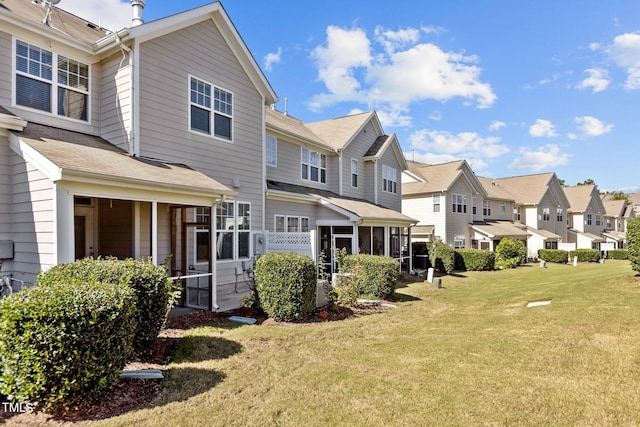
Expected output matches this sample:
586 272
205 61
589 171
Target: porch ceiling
77 154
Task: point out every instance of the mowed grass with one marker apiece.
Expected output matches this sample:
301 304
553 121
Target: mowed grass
471 353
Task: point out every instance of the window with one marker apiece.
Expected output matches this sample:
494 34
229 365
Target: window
233 229
36 87
202 234
206 115
517 213
486 208
503 207
293 224
272 151
559 214
458 242
389 179
551 244
279 222
304 224
459 203
598 220
546 214
354 173
589 219
474 202
436 203
314 166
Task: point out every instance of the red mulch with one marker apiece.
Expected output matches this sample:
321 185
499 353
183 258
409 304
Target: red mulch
130 394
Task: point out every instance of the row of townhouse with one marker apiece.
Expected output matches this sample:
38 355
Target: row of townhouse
454 205
158 141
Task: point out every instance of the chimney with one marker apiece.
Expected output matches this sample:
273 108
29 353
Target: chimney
137 5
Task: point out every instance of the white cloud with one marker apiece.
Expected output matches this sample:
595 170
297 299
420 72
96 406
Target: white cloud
403 71
590 126
463 144
496 125
543 128
272 58
430 158
597 81
625 52
110 14
546 157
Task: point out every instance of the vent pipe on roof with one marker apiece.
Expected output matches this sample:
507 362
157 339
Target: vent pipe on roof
137 5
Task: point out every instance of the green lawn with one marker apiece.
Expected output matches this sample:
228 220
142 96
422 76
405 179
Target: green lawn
471 353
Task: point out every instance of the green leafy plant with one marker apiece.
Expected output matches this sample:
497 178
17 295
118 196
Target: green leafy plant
475 260
618 254
372 275
286 284
443 257
510 253
63 344
633 243
585 255
558 256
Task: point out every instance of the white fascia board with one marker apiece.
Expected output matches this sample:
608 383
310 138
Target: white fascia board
40 162
11 122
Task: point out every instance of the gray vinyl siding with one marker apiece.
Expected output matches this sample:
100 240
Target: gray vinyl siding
115 101
5 188
457 223
201 51
356 150
33 226
5 69
279 207
386 199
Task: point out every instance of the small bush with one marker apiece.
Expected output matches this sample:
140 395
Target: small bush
443 258
155 293
475 260
618 254
558 256
510 253
586 255
633 243
63 344
286 284
377 275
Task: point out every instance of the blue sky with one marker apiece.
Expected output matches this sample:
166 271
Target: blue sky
513 87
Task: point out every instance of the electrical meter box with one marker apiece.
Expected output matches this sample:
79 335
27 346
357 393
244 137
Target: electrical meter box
6 249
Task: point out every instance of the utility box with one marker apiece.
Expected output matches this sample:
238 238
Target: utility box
6 249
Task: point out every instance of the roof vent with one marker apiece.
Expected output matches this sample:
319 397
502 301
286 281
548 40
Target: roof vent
137 5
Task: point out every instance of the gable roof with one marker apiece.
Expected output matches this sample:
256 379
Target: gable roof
495 190
615 208
495 229
64 154
581 196
527 189
439 177
340 131
290 126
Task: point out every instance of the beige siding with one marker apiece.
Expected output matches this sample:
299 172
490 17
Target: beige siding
386 199
279 207
115 101
356 150
5 69
458 223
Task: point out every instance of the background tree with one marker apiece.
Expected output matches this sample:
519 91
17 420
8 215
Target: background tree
633 243
619 195
587 181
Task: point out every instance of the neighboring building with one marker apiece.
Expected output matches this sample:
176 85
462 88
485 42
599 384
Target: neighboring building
617 214
339 178
447 197
586 216
635 202
111 149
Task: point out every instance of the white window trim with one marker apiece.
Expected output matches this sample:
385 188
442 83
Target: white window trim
308 164
354 172
197 230
436 202
211 110
53 82
236 231
275 140
455 198
275 223
390 175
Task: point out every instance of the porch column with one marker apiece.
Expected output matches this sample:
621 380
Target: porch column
136 230
154 232
64 247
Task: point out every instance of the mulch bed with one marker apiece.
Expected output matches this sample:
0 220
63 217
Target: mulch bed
131 394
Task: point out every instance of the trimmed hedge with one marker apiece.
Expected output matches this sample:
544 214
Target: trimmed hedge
618 254
633 243
286 284
443 257
585 255
155 293
510 253
558 256
376 275
475 260
60 344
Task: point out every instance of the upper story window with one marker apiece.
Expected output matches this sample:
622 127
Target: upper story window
546 214
389 179
314 166
474 208
211 109
436 203
459 203
486 208
559 214
272 151
517 213
598 220
354 172
65 95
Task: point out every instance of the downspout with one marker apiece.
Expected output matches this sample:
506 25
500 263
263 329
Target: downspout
340 174
375 181
214 253
264 169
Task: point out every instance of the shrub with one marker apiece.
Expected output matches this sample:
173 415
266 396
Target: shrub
585 255
286 285
63 344
443 258
618 254
377 275
475 260
510 253
558 256
155 293
633 243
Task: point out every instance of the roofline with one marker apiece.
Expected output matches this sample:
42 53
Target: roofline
293 135
372 114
